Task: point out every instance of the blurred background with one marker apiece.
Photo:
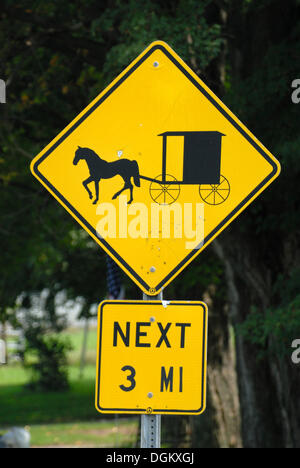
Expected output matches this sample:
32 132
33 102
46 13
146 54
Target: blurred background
55 57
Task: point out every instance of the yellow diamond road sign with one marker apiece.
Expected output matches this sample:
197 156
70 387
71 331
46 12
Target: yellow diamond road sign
155 167
151 357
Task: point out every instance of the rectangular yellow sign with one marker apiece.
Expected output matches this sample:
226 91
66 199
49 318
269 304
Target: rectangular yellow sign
151 357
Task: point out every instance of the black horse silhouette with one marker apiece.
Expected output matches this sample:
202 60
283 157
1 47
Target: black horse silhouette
100 169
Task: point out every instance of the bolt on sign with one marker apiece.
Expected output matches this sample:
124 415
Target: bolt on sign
155 167
151 357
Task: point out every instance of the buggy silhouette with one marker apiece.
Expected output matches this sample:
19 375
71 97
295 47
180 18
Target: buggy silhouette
201 166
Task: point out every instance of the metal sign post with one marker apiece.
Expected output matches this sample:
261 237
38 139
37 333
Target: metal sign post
150 430
151 423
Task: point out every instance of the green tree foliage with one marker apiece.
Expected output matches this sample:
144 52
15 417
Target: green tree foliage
259 89
273 332
48 361
55 58
45 353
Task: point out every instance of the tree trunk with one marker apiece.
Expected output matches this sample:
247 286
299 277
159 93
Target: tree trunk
269 416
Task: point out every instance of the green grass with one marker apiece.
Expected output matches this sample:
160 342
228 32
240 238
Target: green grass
115 433
66 418
20 406
12 375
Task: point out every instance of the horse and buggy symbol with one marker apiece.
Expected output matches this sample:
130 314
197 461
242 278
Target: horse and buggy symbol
200 166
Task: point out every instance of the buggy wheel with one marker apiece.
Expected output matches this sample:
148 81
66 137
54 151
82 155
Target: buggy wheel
164 193
215 194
